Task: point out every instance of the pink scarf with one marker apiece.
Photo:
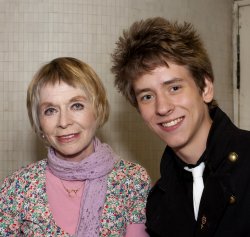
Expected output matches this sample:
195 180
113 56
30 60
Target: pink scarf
93 170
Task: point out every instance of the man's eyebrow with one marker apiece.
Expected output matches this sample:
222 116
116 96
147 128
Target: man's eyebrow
168 82
139 91
173 80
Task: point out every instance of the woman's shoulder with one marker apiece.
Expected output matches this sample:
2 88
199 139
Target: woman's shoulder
131 170
29 173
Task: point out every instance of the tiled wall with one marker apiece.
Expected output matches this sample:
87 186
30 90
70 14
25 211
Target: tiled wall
33 32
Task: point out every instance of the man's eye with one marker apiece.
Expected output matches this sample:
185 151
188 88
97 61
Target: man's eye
77 106
146 97
49 111
175 88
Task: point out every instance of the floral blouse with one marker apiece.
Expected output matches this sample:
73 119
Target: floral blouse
24 209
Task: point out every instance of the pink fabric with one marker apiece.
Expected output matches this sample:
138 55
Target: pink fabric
136 230
93 170
65 209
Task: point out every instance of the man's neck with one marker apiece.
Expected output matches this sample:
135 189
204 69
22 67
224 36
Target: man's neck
191 157
190 154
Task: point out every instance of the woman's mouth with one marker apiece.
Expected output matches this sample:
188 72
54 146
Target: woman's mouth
67 138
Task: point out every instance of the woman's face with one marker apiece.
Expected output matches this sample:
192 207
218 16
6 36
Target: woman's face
68 120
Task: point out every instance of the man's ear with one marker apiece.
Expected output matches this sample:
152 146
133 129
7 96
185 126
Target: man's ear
208 91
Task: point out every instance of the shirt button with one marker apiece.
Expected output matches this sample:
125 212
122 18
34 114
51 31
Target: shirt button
232 199
203 221
233 156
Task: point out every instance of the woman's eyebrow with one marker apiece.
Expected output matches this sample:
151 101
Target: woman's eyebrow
77 98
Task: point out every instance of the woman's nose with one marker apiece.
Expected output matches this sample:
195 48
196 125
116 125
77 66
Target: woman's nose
64 119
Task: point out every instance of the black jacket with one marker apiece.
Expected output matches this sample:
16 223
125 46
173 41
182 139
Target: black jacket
225 204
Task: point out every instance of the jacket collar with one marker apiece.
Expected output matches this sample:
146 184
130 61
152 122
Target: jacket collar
217 191
217 144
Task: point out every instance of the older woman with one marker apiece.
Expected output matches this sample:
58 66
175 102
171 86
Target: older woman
81 188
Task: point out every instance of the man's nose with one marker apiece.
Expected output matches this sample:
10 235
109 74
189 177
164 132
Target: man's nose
164 105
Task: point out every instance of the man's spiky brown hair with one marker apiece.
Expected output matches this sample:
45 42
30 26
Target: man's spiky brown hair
154 42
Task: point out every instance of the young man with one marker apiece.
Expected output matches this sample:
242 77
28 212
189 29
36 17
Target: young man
163 69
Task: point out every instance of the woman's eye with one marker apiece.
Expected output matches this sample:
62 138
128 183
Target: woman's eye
78 106
49 111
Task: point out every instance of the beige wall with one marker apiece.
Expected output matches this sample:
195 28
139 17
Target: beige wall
34 31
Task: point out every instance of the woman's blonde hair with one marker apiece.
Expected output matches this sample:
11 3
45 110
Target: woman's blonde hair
75 73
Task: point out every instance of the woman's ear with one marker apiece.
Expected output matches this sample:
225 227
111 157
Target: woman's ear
208 91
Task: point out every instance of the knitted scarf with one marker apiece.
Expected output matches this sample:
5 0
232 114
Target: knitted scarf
93 170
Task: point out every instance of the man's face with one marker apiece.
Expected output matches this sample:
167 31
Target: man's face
174 108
